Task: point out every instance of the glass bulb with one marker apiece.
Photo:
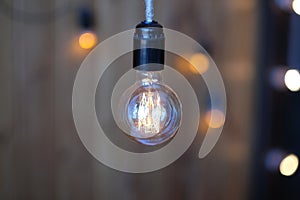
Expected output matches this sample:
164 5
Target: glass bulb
150 111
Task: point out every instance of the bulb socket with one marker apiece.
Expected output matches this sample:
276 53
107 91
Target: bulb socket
149 45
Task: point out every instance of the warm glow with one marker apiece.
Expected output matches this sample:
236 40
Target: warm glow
289 165
200 62
215 118
296 6
292 80
149 113
87 40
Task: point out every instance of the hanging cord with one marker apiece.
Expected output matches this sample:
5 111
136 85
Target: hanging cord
149 10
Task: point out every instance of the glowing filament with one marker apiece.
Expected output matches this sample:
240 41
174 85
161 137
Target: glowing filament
149 113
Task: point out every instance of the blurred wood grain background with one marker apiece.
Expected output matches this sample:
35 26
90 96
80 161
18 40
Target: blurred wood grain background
41 156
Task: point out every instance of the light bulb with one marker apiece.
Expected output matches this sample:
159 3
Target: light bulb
289 165
296 6
292 80
149 111
87 40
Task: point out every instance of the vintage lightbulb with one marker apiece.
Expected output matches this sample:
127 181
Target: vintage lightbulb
150 111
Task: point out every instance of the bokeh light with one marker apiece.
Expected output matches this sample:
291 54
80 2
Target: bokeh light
292 80
214 118
87 40
200 62
289 165
296 6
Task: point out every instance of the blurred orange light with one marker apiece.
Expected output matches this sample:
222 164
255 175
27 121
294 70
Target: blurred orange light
200 62
215 118
87 40
289 165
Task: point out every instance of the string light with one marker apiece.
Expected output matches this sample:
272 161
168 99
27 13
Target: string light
296 6
215 118
278 160
87 40
200 62
292 80
289 165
